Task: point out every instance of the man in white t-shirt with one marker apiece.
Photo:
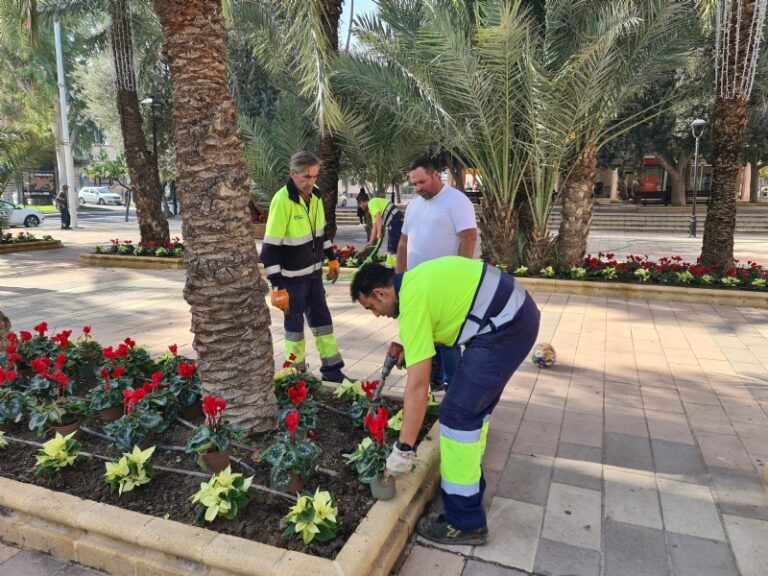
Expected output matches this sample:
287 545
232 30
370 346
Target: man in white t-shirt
440 222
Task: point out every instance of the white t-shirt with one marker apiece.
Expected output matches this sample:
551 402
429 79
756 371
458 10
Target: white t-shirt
433 226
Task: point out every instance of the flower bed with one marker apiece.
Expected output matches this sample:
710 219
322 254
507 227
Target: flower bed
26 241
161 481
666 272
174 249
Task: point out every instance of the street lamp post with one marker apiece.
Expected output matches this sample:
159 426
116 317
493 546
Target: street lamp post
152 103
697 127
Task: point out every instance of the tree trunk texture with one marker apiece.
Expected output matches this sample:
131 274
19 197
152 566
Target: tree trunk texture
224 289
623 192
328 180
677 169
578 200
729 133
498 227
541 249
142 167
5 327
754 181
330 152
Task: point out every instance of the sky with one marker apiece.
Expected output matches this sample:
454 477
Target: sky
361 6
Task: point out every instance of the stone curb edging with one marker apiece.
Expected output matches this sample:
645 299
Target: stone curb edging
126 543
27 246
649 292
131 261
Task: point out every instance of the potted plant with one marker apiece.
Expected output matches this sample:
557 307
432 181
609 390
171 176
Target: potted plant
56 408
186 386
292 460
313 518
86 355
370 458
224 495
134 428
307 407
135 359
30 347
106 397
12 404
212 440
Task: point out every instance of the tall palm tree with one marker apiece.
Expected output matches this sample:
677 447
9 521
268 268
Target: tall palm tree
224 288
739 30
142 165
636 41
440 71
297 42
146 189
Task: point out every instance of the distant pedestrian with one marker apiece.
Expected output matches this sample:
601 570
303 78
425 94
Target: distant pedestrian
62 203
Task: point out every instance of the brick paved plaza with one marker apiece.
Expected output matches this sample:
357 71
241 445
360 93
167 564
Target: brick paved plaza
638 454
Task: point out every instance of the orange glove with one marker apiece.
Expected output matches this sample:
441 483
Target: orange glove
280 299
333 271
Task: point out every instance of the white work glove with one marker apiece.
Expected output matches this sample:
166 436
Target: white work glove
400 461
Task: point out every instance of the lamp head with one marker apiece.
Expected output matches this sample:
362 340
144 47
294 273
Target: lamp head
697 126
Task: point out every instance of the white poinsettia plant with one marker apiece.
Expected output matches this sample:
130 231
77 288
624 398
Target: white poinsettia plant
132 470
58 453
223 495
313 518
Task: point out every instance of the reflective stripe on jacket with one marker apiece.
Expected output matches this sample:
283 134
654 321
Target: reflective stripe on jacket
498 298
294 241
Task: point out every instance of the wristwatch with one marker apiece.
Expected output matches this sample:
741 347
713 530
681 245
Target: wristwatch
404 447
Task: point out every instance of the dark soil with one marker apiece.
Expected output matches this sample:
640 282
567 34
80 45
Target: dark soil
168 494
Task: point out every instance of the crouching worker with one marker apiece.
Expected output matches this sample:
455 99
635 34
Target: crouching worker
384 216
453 300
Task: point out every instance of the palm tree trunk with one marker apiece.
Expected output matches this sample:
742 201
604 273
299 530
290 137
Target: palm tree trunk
328 179
498 227
541 248
145 180
578 200
729 134
224 289
5 326
330 152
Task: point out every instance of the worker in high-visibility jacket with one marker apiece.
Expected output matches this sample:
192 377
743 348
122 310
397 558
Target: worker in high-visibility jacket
385 216
453 300
292 253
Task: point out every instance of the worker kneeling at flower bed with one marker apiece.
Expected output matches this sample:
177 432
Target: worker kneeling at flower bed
453 300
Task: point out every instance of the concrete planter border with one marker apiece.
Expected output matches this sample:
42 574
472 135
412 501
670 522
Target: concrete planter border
725 297
28 246
126 543
124 261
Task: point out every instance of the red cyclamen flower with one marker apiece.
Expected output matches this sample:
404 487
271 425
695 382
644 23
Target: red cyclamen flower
298 393
25 336
213 406
292 421
86 330
186 371
41 329
173 348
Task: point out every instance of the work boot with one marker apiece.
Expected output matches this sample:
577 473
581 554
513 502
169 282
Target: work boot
335 376
437 386
437 529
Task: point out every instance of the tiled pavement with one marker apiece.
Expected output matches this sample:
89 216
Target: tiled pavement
637 454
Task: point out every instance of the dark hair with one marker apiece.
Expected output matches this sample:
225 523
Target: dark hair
423 162
303 160
362 197
368 277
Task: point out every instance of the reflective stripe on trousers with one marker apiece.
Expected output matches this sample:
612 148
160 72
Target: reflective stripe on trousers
307 300
488 362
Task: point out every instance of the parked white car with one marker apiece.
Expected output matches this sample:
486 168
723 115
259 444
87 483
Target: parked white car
22 216
98 195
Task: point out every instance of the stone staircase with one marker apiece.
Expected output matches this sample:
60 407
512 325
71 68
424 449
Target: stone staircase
750 219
